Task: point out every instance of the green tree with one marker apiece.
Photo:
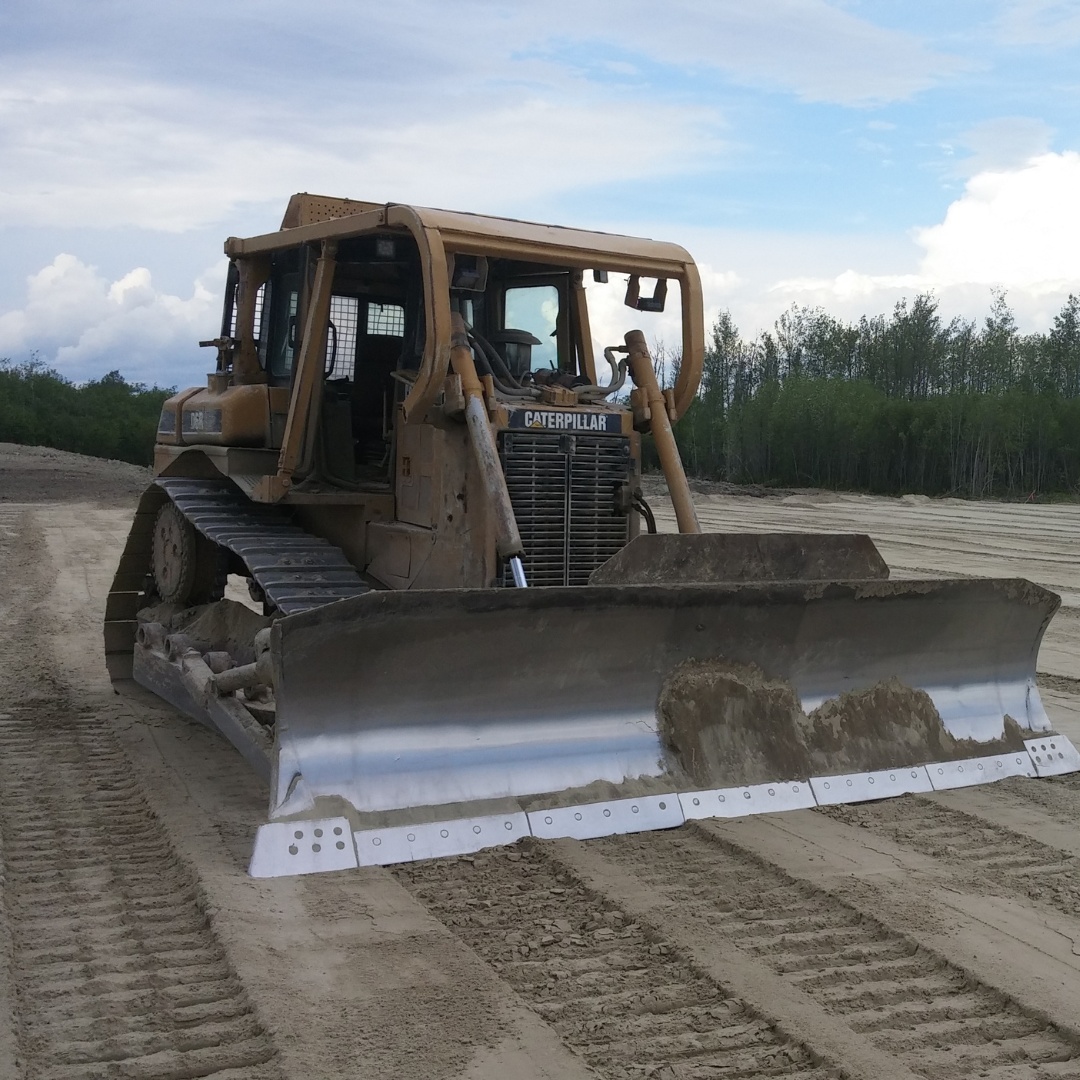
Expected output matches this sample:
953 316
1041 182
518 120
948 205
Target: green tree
107 417
899 402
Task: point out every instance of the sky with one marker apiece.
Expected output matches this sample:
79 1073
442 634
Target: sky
841 154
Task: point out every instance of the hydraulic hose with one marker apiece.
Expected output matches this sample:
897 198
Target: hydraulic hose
491 357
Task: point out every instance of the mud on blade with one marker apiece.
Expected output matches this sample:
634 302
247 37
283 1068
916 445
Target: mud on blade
399 701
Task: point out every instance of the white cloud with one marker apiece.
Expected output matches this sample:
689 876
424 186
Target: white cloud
1004 142
1040 22
111 153
817 49
84 324
1018 228
821 50
530 102
535 148
1015 229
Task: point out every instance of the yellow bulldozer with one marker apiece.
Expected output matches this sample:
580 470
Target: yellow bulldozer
397 552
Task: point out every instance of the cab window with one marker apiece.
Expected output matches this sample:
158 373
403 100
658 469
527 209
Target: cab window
280 342
535 310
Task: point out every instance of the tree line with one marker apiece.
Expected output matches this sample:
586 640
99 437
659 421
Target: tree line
905 402
107 417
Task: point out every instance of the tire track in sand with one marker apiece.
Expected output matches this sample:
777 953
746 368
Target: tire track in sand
908 1001
1000 860
614 991
1059 796
116 969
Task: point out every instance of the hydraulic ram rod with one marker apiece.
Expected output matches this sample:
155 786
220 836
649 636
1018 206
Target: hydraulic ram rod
507 538
642 370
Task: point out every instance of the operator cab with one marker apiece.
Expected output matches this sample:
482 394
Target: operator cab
526 322
521 319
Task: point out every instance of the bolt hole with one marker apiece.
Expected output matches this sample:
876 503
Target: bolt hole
293 849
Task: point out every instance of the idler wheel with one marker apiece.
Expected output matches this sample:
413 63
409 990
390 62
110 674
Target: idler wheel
175 555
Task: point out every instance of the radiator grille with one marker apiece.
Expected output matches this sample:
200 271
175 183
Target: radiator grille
563 490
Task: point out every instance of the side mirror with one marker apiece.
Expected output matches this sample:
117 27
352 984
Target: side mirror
467 272
635 300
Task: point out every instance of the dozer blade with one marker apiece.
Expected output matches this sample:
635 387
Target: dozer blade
428 723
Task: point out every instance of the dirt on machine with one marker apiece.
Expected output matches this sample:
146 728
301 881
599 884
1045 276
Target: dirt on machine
461 627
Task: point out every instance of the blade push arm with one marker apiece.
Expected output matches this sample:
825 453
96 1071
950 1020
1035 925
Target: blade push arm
670 461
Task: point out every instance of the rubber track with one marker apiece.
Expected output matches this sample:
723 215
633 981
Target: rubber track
296 571
614 992
117 971
908 1001
1004 860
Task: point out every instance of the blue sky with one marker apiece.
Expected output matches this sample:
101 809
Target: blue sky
837 153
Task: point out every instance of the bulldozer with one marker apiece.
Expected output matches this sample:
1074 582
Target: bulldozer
397 551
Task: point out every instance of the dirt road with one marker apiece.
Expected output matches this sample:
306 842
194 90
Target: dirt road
930 936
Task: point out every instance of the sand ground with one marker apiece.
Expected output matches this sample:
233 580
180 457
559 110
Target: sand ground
929 936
